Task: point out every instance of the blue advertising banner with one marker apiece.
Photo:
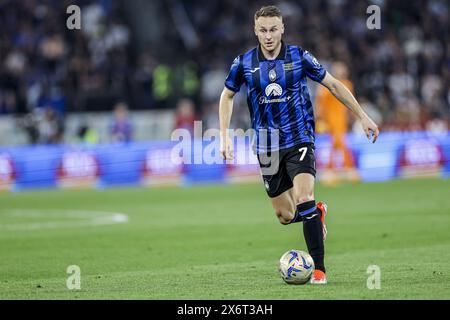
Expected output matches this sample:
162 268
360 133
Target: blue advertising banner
168 163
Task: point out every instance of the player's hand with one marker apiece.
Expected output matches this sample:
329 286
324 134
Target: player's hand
370 129
226 148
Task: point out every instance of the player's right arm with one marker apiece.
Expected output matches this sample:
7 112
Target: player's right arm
233 83
225 111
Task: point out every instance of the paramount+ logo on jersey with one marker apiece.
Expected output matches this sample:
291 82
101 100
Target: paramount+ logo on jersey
273 91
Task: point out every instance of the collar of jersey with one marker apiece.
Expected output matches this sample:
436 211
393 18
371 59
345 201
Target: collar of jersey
281 55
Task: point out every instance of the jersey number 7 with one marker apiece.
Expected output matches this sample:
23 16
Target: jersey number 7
303 151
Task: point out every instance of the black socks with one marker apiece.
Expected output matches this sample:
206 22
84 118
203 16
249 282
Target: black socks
312 231
304 209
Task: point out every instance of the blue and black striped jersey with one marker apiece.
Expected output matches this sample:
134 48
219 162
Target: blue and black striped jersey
277 95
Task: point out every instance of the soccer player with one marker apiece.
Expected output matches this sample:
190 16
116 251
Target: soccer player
275 74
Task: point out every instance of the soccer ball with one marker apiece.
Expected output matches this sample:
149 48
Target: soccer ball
296 267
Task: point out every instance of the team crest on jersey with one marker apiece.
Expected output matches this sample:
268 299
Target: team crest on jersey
272 75
274 90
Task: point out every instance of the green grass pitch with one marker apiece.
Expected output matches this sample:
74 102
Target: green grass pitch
223 242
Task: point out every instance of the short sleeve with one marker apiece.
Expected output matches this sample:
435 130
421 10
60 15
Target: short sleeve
235 77
312 67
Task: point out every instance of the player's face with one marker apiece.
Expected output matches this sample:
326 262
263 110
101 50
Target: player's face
269 31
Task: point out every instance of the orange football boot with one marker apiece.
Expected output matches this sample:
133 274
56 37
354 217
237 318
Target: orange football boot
323 208
319 277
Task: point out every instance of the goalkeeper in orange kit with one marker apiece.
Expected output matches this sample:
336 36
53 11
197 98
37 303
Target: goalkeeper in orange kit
333 118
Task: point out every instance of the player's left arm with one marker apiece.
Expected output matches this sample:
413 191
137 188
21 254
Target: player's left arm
343 94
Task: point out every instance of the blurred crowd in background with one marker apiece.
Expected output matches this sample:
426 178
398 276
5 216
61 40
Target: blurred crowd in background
400 73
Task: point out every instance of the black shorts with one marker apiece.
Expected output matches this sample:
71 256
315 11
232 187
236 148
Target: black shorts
278 175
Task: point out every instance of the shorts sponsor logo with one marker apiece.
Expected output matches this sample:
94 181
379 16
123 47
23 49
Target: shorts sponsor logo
266 184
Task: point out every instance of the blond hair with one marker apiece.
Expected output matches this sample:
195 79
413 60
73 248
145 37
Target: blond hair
268 11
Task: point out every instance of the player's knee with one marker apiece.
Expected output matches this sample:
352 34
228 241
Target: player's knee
282 217
283 221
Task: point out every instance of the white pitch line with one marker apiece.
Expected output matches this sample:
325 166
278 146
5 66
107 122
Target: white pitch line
78 219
